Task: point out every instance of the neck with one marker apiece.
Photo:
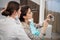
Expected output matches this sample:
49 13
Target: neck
26 21
12 16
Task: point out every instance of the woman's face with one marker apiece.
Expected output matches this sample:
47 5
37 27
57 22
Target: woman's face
29 14
19 12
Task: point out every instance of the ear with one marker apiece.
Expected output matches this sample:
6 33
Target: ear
14 12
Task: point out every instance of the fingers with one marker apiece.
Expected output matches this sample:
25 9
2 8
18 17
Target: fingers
49 15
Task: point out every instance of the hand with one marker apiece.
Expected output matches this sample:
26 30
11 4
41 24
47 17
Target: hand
49 15
45 24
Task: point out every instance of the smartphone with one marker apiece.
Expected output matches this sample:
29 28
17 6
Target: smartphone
50 17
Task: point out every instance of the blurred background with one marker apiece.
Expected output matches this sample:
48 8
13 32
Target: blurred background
40 9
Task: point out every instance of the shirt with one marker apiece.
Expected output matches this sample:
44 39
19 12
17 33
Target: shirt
11 30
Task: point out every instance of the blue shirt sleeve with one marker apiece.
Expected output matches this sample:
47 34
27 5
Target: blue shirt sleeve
33 29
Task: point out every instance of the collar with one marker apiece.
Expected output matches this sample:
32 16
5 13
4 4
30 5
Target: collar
11 18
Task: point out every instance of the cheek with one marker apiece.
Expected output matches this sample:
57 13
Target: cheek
29 16
19 13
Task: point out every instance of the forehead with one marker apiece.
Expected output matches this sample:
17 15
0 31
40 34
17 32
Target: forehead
29 10
19 8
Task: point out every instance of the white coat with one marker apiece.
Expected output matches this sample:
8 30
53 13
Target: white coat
10 30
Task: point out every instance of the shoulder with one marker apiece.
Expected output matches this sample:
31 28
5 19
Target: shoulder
2 20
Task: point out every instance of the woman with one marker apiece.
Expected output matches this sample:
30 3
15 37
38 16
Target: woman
10 27
26 14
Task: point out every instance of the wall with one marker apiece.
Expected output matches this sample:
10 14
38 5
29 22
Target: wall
4 2
53 5
36 1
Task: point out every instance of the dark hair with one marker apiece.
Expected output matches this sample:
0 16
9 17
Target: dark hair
24 10
12 5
